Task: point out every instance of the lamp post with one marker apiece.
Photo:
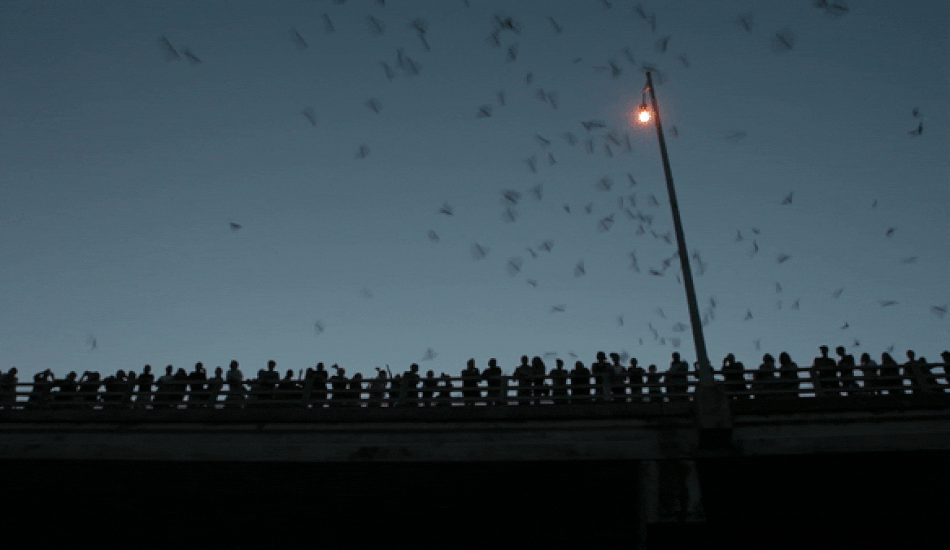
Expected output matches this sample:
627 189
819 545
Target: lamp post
644 114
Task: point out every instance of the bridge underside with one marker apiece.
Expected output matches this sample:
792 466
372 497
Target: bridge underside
858 500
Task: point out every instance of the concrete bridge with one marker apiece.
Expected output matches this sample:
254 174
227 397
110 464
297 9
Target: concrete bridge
702 471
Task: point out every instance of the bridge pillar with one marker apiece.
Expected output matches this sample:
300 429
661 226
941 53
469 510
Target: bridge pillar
669 495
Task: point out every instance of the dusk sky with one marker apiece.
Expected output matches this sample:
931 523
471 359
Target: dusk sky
134 133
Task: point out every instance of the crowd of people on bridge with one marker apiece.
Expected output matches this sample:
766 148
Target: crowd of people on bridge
530 383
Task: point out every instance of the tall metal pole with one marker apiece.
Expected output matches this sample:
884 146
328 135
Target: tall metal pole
705 369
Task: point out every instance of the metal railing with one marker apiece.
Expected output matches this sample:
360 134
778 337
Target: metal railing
746 385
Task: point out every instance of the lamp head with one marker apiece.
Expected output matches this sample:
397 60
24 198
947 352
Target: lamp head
643 113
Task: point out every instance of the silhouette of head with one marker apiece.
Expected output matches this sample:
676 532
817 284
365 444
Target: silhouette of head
676 356
271 364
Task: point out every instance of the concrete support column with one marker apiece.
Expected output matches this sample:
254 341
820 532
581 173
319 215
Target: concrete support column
669 494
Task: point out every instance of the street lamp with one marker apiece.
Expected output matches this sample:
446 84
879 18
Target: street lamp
644 114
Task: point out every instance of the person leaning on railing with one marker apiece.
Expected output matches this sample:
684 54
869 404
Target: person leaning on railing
40 392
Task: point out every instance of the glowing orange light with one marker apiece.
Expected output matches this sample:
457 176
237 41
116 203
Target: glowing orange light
643 113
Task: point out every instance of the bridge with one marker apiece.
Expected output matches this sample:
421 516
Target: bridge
641 466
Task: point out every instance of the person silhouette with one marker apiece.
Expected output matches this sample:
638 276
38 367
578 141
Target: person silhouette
196 386
636 375
523 375
677 381
288 390
493 377
763 379
40 393
824 374
143 397
600 369
377 388
580 383
429 385
318 386
470 377
539 389
340 386
235 380
410 383
788 372
733 374
559 383
869 374
89 384
618 378
846 367
215 383
268 381
654 381
890 375
67 390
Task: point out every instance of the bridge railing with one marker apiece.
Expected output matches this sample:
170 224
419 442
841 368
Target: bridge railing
800 383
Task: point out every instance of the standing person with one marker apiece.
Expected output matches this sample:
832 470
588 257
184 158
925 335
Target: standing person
470 377
215 383
677 379
846 370
288 390
267 382
67 390
444 397
539 389
235 379
356 390
580 383
492 376
654 382
377 388
763 380
733 373
559 383
339 384
429 385
196 386
618 378
869 378
600 369
788 372
89 387
318 387
636 374
8 384
824 372
410 382
890 375
524 374
180 386
145 380
40 393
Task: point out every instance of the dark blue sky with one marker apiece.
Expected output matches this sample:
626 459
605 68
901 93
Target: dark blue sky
122 166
